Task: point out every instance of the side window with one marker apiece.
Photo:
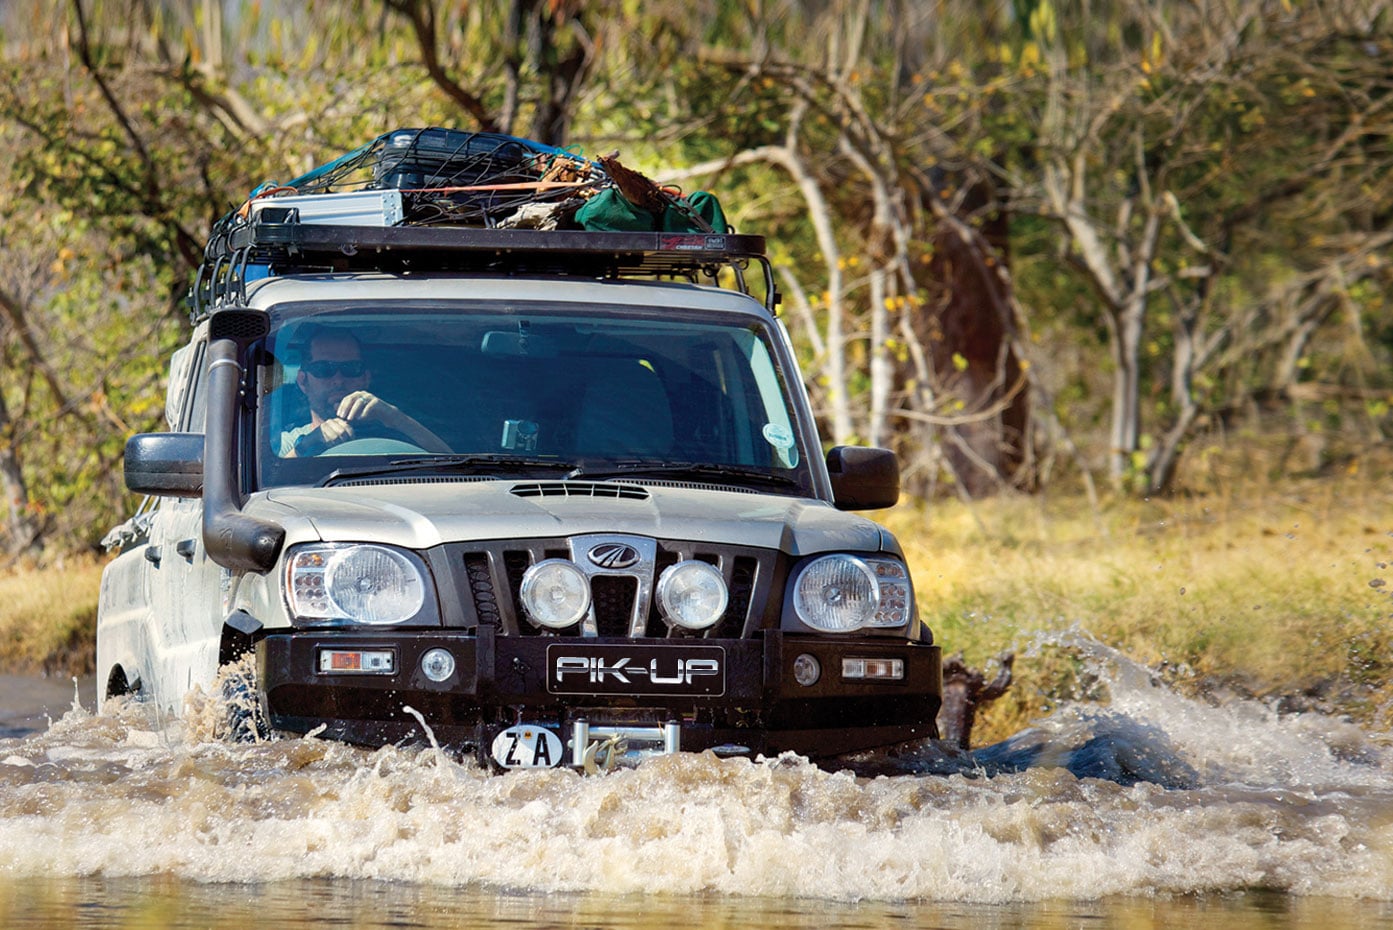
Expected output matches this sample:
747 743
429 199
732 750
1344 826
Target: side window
772 419
180 365
194 410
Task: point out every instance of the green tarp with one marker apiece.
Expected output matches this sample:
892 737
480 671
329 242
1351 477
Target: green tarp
608 211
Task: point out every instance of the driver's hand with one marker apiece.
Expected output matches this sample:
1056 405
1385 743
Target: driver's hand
363 405
336 431
330 432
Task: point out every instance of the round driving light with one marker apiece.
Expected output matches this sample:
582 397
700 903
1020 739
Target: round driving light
692 595
437 664
372 584
806 670
836 594
554 594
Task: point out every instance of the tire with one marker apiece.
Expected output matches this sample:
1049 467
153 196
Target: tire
246 720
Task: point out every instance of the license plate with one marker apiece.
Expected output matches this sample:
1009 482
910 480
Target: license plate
527 747
616 669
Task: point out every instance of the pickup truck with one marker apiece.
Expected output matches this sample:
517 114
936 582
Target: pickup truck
555 496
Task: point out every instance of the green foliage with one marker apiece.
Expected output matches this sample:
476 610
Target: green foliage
1273 143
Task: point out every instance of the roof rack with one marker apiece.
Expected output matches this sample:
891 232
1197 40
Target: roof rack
275 242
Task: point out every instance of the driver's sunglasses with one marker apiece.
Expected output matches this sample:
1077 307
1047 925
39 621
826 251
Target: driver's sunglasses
324 368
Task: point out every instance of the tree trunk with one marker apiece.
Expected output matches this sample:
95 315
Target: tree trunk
20 528
968 333
533 25
1126 394
882 368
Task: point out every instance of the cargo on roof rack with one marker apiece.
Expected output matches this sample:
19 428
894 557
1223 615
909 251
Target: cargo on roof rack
276 243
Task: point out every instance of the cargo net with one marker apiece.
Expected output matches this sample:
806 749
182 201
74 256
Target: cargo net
491 180
459 178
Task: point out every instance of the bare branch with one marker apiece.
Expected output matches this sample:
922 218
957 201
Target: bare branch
421 15
18 315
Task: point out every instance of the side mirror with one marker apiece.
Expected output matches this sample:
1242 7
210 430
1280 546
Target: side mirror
863 478
165 464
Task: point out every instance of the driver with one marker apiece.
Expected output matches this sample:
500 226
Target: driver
335 379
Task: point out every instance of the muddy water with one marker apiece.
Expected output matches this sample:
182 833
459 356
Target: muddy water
1150 810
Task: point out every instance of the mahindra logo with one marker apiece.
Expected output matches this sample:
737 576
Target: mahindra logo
613 555
597 671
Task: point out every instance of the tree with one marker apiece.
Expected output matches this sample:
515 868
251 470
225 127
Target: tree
979 219
911 319
1163 161
547 53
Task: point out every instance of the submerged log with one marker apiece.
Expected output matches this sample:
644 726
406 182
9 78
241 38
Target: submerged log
964 691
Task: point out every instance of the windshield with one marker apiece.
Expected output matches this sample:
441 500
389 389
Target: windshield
533 390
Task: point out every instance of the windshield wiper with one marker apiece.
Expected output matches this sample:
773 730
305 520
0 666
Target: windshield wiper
468 464
679 469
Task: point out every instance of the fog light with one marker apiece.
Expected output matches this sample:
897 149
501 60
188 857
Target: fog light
806 670
883 669
554 594
438 664
692 595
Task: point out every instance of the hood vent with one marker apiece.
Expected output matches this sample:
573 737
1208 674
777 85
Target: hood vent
580 489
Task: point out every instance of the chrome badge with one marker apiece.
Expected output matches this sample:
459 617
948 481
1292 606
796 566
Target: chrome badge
613 555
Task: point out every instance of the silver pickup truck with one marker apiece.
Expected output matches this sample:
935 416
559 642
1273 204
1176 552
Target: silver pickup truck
540 492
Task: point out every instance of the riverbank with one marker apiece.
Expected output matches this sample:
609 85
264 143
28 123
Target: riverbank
48 617
1279 591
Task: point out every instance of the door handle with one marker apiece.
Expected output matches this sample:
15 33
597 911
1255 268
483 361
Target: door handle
152 555
185 547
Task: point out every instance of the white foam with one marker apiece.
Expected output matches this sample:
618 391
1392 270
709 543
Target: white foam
1302 805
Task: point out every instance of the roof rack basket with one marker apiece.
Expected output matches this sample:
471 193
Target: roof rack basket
277 243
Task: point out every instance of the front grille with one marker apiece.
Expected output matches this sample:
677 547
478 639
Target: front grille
613 598
622 601
742 587
481 593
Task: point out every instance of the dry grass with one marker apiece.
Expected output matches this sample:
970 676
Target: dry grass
48 617
1273 590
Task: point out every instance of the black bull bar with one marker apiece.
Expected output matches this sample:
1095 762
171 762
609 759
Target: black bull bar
740 691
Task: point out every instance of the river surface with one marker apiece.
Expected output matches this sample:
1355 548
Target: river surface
1150 810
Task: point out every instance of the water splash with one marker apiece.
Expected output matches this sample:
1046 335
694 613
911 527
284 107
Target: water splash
1149 794
1237 742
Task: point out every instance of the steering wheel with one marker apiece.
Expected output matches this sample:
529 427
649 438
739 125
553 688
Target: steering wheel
373 445
369 439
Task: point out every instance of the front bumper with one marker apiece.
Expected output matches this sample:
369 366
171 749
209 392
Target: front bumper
754 704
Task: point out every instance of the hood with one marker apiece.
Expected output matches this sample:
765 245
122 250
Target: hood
426 513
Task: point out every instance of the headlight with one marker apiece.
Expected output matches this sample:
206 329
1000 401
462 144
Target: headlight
692 595
844 593
555 594
836 594
356 583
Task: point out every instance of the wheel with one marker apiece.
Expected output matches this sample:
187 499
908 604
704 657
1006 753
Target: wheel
245 713
118 685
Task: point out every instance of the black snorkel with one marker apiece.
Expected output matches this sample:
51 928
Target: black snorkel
231 538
